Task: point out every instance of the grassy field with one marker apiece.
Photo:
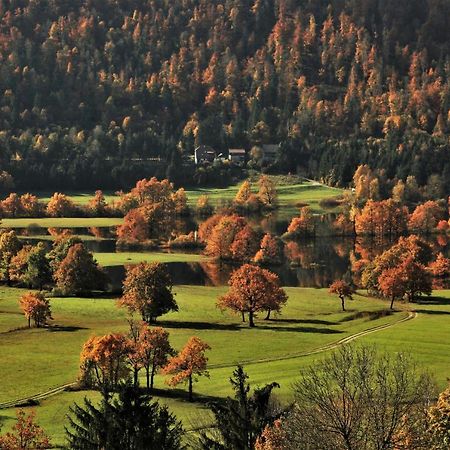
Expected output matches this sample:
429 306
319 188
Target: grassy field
61 222
80 198
292 190
37 360
124 258
292 193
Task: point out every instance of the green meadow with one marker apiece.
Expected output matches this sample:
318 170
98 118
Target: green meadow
37 360
124 258
292 194
61 222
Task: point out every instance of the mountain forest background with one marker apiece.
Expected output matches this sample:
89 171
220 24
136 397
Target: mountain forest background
98 93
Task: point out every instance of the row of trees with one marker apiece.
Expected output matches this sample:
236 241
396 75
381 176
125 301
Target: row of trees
406 270
356 398
145 192
147 291
59 205
69 267
107 361
232 238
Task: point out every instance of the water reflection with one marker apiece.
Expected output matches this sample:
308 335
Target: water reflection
308 263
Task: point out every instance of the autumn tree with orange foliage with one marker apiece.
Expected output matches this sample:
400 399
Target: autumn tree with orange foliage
245 244
31 207
35 307
11 205
27 205
97 206
25 434
417 278
406 278
394 256
189 364
267 192
302 226
104 362
243 194
207 226
392 284
204 207
271 250
151 208
425 217
60 206
19 263
79 272
343 290
366 184
146 190
153 351
222 236
252 290
147 290
9 247
440 268
384 218
134 227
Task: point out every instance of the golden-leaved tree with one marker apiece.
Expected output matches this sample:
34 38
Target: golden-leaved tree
252 290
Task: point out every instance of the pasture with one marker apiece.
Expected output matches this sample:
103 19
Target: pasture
125 258
37 360
292 192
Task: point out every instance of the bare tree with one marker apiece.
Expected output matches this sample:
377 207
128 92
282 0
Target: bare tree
356 399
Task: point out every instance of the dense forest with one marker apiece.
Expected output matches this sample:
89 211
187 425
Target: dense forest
96 93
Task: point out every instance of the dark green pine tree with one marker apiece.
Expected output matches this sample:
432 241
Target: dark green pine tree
242 419
131 421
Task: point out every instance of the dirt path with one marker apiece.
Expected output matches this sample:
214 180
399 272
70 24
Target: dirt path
333 345
411 315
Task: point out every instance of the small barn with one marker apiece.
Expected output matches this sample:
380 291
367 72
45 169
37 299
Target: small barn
204 154
236 155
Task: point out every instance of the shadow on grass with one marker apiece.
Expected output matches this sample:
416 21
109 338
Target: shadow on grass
368 315
271 325
261 326
182 394
305 321
442 301
198 325
433 312
64 329
14 313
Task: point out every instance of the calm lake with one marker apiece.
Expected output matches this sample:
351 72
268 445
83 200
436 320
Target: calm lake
314 262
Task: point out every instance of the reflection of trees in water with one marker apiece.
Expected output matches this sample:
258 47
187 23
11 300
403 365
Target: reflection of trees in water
318 262
215 273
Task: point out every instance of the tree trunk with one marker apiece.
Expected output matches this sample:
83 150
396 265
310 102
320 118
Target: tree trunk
135 376
392 302
251 323
190 388
268 314
147 375
29 322
152 376
243 316
342 302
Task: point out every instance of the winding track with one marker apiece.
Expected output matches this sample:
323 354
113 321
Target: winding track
333 345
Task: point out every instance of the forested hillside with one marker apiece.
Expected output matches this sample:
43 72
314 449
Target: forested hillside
92 87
